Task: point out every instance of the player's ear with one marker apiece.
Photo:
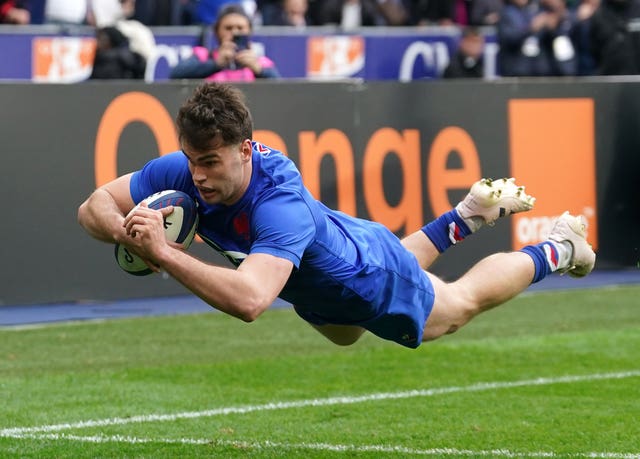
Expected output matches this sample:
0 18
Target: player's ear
247 149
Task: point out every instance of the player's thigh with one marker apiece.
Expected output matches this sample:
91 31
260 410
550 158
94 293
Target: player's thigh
449 311
342 335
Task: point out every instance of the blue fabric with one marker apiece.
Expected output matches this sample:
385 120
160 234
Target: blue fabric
207 10
446 230
545 259
347 270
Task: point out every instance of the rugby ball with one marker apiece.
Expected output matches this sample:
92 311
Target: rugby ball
179 226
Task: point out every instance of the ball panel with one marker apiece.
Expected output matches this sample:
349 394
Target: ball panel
180 226
173 225
130 262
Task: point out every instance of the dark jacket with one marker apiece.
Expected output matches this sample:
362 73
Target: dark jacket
614 47
462 66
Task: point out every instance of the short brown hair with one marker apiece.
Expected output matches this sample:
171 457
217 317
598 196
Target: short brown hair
216 114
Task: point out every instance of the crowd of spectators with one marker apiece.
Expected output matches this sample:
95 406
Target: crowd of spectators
535 37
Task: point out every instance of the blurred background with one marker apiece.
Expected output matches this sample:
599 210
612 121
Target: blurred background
390 108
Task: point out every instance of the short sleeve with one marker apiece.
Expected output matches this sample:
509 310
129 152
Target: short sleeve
168 172
283 226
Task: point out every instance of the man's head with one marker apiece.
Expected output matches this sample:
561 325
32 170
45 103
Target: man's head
472 43
215 115
215 129
232 20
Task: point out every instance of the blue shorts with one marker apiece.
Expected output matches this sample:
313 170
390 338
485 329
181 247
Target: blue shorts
398 312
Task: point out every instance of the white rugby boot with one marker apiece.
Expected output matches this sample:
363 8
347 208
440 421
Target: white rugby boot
574 230
490 199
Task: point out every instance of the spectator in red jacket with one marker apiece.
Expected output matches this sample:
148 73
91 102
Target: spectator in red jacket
14 12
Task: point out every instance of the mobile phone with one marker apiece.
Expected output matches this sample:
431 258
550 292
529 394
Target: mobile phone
241 41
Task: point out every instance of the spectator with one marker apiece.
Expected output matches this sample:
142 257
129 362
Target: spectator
235 59
14 12
468 61
108 12
286 13
67 12
433 12
207 11
118 13
614 47
580 36
394 12
534 39
114 59
164 12
485 12
350 14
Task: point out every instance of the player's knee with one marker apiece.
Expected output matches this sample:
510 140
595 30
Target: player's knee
432 333
342 335
344 341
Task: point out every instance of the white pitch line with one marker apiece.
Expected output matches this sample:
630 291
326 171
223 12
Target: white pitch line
383 449
346 400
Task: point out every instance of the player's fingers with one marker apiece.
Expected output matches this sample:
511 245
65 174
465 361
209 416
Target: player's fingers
166 211
136 225
143 212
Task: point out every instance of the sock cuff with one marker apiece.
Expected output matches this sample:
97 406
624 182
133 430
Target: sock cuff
446 230
545 259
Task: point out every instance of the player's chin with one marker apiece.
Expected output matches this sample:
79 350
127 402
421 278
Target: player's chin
209 196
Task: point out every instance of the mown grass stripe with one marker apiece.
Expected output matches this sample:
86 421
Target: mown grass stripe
344 400
383 449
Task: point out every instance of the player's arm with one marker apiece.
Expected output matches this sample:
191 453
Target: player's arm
102 214
244 293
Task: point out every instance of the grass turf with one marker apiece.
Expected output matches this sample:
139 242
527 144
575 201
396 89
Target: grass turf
174 366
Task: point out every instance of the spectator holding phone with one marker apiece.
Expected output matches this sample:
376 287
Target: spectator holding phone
235 59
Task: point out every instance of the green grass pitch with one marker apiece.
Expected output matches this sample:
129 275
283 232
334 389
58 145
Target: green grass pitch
554 374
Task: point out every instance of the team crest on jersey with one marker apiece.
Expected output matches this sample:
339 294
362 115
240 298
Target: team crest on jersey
262 149
241 225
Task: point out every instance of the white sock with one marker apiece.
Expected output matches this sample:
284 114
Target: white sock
565 251
474 223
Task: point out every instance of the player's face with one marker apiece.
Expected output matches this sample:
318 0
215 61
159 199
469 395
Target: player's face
221 174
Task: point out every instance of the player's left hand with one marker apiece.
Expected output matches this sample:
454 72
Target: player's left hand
145 228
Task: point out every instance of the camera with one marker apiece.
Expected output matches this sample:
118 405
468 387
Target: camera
241 41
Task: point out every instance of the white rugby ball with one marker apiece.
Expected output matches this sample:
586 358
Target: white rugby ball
179 226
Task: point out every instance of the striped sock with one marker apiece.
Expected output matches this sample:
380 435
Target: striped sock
446 230
548 256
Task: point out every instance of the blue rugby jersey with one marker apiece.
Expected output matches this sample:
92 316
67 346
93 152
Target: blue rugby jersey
347 270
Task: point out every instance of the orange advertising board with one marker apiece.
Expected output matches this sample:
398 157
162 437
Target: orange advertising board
62 59
552 151
335 56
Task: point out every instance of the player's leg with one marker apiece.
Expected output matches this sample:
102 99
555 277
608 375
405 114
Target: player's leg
487 201
342 335
500 277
